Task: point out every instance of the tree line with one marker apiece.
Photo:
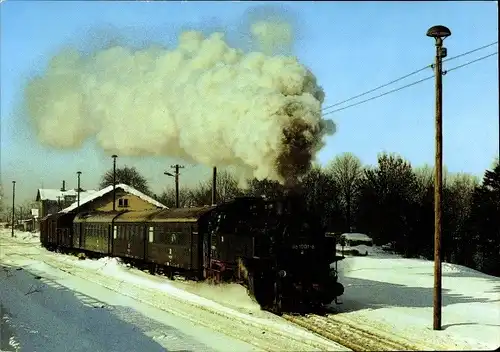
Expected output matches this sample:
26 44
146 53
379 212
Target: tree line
392 202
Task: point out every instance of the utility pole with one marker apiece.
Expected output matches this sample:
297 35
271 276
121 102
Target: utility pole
78 189
439 33
214 185
13 206
176 176
114 181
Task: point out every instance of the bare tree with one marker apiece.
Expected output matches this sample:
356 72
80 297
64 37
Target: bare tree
127 175
425 175
168 197
2 201
24 210
457 209
322 197
347 171
201 195
227 189
265 188
495 163
227 186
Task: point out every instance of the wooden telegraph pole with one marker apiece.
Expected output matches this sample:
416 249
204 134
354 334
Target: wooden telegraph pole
114 156
176 176
439 33
13 206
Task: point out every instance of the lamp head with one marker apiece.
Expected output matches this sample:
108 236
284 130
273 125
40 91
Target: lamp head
438 32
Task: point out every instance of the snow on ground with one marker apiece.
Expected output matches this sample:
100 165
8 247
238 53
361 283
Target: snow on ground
44 309
241 318
397 293
382 291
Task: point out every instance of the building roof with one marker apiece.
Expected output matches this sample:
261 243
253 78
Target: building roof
97 216
182 214
104 191
137 216
52 194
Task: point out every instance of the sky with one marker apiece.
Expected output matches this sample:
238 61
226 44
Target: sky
350 47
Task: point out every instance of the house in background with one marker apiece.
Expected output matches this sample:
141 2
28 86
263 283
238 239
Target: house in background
51 201
127 198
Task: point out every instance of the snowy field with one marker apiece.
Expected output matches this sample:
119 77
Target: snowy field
385 295
396 294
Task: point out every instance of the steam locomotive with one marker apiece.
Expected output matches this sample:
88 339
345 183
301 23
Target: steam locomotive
275 248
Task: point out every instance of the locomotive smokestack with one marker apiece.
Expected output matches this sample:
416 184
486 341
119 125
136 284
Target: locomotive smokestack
214 186
63 189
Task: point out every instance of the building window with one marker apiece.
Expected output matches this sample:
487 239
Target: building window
123 203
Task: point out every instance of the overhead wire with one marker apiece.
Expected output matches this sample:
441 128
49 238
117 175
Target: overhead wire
471 62
377 88
403 77
470 51
411 84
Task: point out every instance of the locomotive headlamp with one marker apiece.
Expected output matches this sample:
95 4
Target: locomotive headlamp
282 273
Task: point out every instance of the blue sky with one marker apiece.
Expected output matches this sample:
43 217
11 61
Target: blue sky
351 47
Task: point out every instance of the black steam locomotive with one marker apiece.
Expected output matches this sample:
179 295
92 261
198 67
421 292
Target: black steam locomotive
276 249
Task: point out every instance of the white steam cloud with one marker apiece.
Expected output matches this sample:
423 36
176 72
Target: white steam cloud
202 101
272 35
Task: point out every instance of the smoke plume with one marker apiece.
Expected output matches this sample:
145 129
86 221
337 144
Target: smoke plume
272 36
203 101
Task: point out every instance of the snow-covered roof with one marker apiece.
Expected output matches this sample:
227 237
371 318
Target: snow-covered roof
108 189
53 194
356 237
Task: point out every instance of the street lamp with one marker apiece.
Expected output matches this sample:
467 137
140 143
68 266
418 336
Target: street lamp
13 207
114 156
78 190
439 33
176 176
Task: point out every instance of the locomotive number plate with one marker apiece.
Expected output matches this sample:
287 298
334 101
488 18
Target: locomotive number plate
303 246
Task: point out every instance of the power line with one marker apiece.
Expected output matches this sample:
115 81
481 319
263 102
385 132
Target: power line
406 76
470 52
379 96
408 85
377 88
471 62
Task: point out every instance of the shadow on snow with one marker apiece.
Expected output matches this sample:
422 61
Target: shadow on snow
63 320
367 294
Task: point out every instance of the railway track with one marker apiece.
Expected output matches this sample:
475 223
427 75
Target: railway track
330 327
263 337
341 330
356 336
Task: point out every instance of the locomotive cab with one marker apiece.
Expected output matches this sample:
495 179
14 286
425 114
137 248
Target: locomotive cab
302 257
277 249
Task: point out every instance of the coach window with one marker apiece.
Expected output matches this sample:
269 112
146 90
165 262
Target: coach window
151 234
115 232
